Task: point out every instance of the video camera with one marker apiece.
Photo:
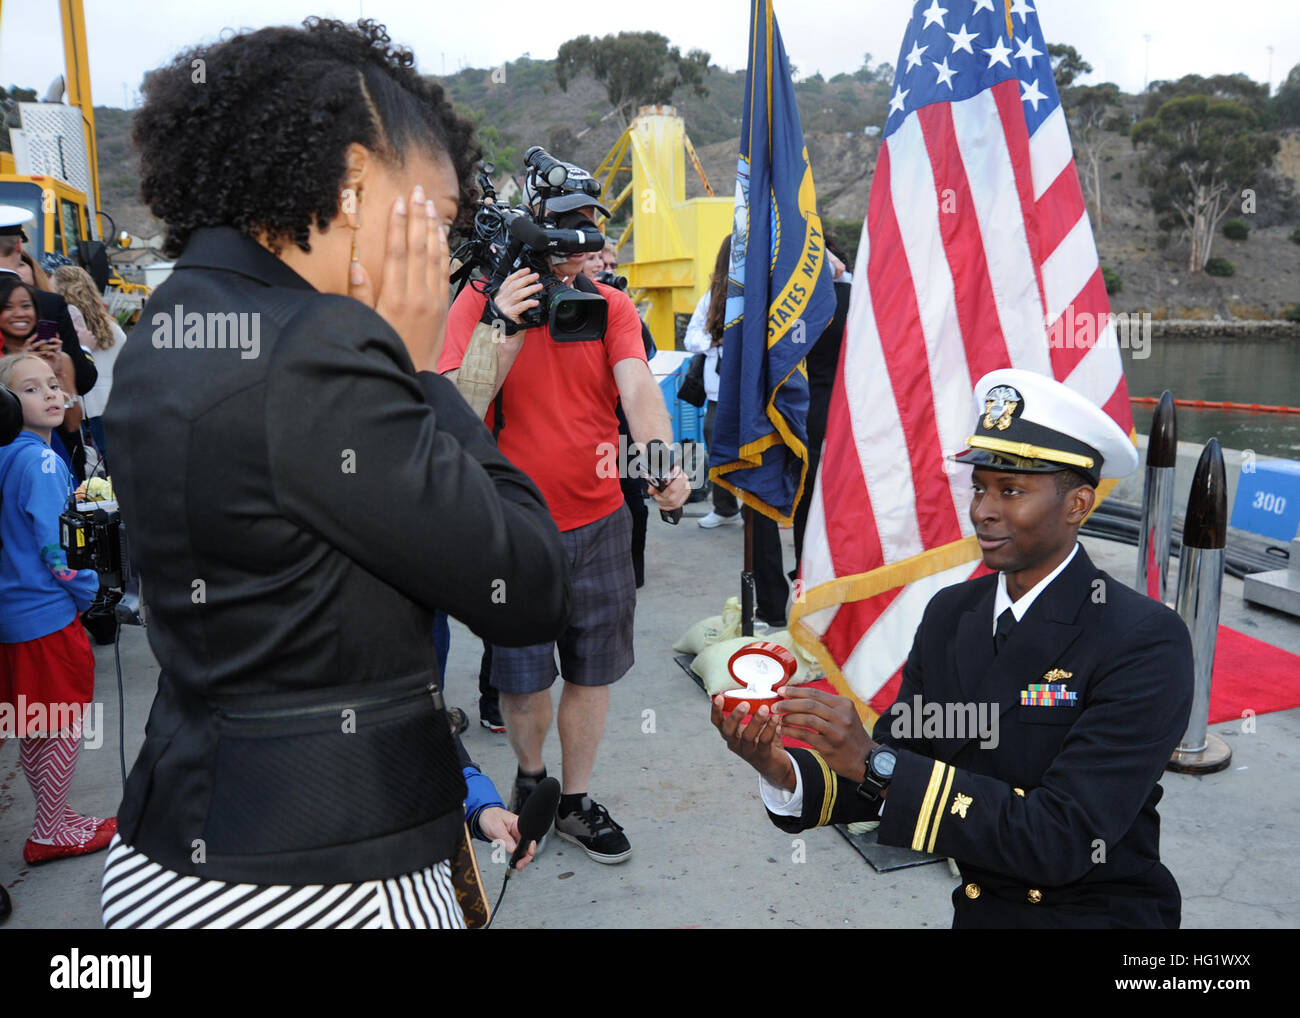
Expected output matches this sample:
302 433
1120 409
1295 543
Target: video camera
507 239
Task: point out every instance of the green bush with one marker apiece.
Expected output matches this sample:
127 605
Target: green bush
1236 229
1113 283
1219 267
1292 314
1295 235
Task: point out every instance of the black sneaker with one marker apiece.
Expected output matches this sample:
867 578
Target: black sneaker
458 721
592 828
489 715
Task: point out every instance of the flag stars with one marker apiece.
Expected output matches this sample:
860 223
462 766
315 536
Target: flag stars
896 103
983 5
934 15
1032 94
1027 53
961 39
998 54
945 73
914 58
1022 8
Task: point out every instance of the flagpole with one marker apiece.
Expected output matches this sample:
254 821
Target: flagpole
747 576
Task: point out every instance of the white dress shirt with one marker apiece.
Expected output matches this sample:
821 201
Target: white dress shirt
698 340
790 804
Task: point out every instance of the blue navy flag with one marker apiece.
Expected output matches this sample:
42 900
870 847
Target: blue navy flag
779 299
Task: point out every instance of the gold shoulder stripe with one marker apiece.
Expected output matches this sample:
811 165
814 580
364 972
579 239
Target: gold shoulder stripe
927 805
828 790
938 813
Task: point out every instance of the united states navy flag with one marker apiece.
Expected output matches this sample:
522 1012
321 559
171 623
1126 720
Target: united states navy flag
779 300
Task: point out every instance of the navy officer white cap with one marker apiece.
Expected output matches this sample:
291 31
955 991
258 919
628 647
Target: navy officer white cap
12 218
1029 423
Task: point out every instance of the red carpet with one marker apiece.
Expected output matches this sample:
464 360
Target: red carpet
1249 674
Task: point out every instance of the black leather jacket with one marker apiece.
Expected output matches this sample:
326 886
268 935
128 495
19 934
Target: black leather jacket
299 501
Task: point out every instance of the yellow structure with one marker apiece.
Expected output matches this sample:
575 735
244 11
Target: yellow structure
674 241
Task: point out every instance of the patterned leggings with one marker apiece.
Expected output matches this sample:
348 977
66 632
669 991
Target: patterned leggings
49 763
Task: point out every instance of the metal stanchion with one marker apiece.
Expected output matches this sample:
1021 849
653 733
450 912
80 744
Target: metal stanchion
1200 582
1158 502
747 577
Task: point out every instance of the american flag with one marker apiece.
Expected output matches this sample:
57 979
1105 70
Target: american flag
976 254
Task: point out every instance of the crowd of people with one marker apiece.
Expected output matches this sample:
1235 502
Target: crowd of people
307 519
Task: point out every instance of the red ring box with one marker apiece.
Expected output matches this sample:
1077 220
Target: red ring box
761 668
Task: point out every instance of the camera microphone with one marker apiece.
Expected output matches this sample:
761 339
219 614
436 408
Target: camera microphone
535 818
547 167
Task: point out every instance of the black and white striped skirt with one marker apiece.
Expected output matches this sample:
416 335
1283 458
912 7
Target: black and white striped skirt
137 893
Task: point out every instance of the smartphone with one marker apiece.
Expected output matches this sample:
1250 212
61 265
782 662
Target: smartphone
46 331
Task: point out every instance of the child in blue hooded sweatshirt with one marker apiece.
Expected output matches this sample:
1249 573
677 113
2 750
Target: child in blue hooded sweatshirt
47 669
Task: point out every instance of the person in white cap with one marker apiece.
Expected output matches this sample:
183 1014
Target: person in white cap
1082 688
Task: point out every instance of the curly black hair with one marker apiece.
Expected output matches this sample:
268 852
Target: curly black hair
251 132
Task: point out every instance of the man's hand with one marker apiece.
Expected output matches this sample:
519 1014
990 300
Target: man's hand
674 494
756 742
515 296
830 725
501 825
413 290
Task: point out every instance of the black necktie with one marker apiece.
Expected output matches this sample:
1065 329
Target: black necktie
1006 622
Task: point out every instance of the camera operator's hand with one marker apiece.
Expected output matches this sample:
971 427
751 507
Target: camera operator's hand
413 290
515 297
674 494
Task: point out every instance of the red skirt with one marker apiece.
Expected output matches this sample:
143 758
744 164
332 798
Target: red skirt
45 682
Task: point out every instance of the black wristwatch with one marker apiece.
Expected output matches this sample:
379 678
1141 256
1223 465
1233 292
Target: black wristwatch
880 771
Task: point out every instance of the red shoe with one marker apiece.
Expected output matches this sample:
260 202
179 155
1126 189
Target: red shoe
37 854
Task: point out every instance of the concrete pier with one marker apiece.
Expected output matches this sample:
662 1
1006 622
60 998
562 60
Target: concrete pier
704 852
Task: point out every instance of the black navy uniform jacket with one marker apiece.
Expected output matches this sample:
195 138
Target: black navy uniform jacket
297 517
1057 825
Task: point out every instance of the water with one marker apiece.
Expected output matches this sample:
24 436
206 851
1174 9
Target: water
1235 370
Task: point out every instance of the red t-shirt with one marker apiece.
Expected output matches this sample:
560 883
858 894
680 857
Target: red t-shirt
558 404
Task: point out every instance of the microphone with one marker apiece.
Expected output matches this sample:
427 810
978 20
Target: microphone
535 818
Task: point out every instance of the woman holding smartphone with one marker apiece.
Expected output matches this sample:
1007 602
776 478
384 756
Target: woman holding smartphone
23 331
302 492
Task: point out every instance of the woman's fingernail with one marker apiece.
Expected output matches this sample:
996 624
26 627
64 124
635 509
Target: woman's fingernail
356 274
417 195
399 206
429 209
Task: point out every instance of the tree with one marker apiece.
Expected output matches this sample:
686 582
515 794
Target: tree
1200 152
1067 64
635 67
1236 88
1095 115
1286 104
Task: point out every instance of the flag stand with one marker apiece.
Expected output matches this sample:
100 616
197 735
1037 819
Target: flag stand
747 576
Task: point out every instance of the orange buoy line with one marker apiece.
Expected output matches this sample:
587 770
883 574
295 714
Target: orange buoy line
1209 404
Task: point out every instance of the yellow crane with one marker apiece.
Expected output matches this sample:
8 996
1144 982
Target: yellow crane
674 241
53 171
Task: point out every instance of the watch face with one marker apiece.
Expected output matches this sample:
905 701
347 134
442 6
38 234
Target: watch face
883 764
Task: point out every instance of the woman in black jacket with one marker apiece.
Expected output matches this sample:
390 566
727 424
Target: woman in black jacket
302 493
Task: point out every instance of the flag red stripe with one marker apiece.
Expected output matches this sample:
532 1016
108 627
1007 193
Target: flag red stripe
853 620
1059 209
1080 326
1119 408
902 339
1007 96
849 522
981 331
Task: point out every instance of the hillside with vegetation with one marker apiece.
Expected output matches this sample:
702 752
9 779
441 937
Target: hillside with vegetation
1226 244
